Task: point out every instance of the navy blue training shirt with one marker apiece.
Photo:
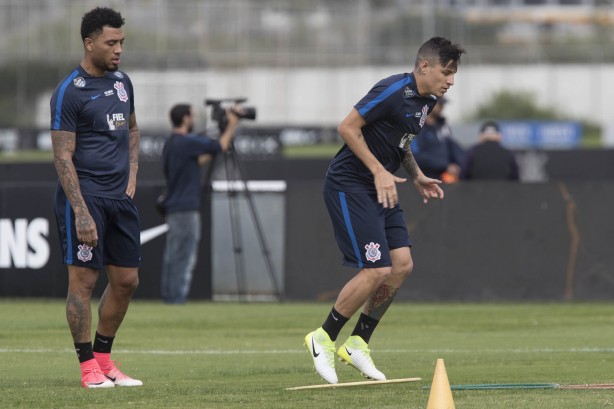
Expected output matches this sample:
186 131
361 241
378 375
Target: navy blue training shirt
97 110
394 113
182 171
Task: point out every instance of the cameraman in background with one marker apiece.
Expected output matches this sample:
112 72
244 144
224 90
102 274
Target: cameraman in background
182 156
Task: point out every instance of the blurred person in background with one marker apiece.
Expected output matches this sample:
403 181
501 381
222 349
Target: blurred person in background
361 197
437 153
182 156
488 159
95 142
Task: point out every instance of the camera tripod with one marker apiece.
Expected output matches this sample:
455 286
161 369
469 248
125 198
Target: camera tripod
237 185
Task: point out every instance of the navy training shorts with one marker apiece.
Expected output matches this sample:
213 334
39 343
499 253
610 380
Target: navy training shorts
119 232
365 231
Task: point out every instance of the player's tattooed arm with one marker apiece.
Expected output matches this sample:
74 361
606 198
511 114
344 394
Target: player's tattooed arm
410 165
350 130
64 144
134 148
428 188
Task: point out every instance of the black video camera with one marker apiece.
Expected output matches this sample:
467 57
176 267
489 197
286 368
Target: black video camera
218 112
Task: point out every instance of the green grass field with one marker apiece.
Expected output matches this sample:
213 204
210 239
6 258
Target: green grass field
233 355
324 150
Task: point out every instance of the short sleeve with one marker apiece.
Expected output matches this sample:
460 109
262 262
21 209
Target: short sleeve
131 92
65 107
382 100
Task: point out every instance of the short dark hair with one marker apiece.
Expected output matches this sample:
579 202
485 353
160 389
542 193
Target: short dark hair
94 20
439 49
178 112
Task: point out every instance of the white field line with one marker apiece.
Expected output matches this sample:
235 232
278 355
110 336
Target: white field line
302 351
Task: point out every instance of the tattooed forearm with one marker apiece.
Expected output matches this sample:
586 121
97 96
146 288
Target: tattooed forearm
70 183
135 138
410 165
63 148
380 301
79 318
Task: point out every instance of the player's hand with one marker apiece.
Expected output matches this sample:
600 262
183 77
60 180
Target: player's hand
86 229
131 188
428 188
386 187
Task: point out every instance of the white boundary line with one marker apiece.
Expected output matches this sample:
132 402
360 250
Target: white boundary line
302 351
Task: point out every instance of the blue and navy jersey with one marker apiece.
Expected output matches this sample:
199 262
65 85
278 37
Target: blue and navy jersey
182 171
394 113
97 110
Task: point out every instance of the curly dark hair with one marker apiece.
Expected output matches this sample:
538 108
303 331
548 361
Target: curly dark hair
94 20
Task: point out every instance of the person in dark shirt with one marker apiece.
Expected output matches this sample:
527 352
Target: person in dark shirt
360 193
95 142
488 159
182 156
436 151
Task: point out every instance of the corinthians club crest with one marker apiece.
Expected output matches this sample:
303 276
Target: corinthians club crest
373 254
85 252
121 91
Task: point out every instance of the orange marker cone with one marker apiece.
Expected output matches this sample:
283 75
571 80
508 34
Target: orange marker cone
441 394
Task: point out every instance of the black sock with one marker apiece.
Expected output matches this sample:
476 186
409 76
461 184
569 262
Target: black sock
84 351
103 344
333 324
364 327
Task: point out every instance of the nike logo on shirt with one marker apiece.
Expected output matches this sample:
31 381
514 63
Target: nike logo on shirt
95 96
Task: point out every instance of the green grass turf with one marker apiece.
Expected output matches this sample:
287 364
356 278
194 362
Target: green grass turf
318 151
233 355
26 156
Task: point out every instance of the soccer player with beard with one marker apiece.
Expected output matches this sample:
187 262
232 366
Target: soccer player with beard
95 142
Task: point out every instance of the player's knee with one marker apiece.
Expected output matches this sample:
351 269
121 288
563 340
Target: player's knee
404 268
132 284
127 285
382 274
81 288
81 281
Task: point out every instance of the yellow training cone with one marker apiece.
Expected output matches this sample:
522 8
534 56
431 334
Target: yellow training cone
441 394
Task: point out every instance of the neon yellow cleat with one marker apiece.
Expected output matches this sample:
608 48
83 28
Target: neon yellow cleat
355 352
322 351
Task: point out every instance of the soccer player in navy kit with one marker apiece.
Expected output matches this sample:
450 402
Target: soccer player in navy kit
95 142
361 196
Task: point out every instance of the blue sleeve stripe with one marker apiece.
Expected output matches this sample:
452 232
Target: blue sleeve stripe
68 234
384 94
58 103
348 225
